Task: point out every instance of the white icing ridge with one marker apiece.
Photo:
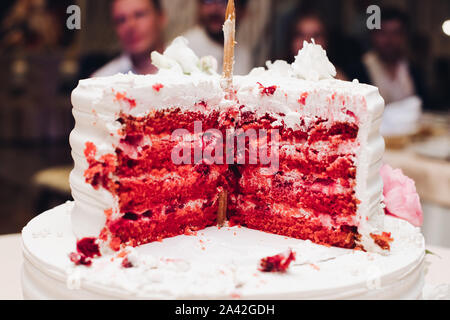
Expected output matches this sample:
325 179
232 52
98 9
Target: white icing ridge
219 264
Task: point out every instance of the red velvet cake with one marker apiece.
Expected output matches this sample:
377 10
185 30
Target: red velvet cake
293 152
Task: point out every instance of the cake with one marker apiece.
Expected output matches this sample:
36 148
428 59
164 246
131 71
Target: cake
192 185
291 151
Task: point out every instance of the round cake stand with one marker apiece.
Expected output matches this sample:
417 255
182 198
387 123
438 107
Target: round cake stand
219 264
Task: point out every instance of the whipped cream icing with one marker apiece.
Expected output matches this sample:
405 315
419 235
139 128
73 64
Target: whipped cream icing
311 63
188 81
179 58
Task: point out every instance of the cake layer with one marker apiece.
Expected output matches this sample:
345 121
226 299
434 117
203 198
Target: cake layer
282 219
139 194
164 221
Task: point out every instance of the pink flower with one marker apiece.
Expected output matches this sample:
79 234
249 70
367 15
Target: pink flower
400 196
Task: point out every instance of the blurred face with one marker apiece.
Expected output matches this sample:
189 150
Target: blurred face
138 25
390 41
307 29
212 16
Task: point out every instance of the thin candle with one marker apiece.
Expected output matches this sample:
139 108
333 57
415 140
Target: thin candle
229 29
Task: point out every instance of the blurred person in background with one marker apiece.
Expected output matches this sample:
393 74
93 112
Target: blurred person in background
139 25
307 25
206 38
387 65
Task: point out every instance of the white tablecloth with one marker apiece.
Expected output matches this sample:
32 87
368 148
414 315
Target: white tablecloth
11 264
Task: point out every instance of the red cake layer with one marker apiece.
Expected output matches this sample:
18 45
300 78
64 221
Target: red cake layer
265 218
316 198
162 222
316 179
138 194
159 199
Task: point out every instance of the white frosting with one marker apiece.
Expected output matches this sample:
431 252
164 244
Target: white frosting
179 58
312 63
219 264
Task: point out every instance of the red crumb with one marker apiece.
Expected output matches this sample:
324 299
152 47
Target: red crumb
268 91
126 264
203 104
108 213
383 241
132 139
79 259
123 97
157 87
351 114
88 247
99 170
302 99
90 150
115 244
278 263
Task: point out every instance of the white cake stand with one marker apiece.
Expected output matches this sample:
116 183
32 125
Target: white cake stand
219 264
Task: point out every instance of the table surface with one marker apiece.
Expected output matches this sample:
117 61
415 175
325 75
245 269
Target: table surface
11 248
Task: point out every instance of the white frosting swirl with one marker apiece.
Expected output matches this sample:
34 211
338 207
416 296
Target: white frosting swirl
179 58
311 64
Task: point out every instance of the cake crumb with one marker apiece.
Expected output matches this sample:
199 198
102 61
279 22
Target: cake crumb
383 241
268 91
157 87
279 263
127 264
315 267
